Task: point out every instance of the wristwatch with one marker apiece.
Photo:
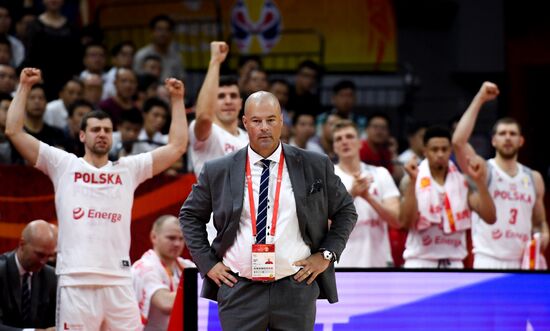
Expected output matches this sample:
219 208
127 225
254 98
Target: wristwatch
328 255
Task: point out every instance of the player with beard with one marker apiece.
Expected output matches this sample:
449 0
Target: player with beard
518 191
215 131
93 199
437 204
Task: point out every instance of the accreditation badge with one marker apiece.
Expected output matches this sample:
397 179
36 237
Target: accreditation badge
263 262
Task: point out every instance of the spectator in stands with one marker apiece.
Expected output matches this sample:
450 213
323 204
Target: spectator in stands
131 123
280 89
375 150
26 17
324 141
155 116
256 81
122 56
56 110
343 104
5 51
246 64
5 145
95 59
415 136
71 131
152 65
34 122
17 49
8 79
303 130
27 285
148 86
157 273
302 97
126 88
162 45
92 89
437 204
53 46
376 199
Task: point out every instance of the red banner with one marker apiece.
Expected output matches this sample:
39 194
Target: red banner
27 194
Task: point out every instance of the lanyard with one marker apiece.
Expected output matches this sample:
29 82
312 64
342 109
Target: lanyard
170 274
277 192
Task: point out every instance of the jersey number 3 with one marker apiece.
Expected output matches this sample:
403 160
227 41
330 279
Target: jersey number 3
513 216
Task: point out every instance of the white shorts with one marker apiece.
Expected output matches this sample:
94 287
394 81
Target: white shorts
482 261
434 264
93 308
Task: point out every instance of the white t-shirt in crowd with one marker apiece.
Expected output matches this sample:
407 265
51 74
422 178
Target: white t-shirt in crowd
56 114
219 143
514 199
432 243
368 244
93 208
142 145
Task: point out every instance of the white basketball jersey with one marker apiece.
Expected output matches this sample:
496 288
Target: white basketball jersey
219 143
368 244
432 243
93 208
514 199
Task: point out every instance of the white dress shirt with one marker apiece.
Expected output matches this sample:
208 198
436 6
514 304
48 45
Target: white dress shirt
289 244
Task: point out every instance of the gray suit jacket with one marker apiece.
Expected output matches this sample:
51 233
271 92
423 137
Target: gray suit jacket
43 296
319 195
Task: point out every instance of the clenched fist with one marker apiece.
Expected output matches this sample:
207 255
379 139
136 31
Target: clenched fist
30 76
175 87
218 51
488 91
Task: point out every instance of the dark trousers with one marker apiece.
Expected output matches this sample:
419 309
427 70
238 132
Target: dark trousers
256 306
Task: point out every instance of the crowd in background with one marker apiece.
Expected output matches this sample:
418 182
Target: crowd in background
80 75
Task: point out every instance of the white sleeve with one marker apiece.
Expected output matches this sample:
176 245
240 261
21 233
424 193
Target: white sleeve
147 281
140 166
52 161
388 189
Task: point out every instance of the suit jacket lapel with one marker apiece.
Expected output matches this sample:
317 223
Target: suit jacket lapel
13 274
295 168
236 180
236 176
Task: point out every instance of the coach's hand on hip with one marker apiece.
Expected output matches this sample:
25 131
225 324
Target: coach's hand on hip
220 275
312 267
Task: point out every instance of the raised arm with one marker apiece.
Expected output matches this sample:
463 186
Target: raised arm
178 136
408 211
479 197
208 95
539 213
25 144
463 150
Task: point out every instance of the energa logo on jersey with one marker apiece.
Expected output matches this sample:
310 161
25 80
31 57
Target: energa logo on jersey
94 214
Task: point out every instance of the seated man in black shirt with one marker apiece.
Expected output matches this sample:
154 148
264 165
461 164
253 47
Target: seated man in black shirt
34 122
76 110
